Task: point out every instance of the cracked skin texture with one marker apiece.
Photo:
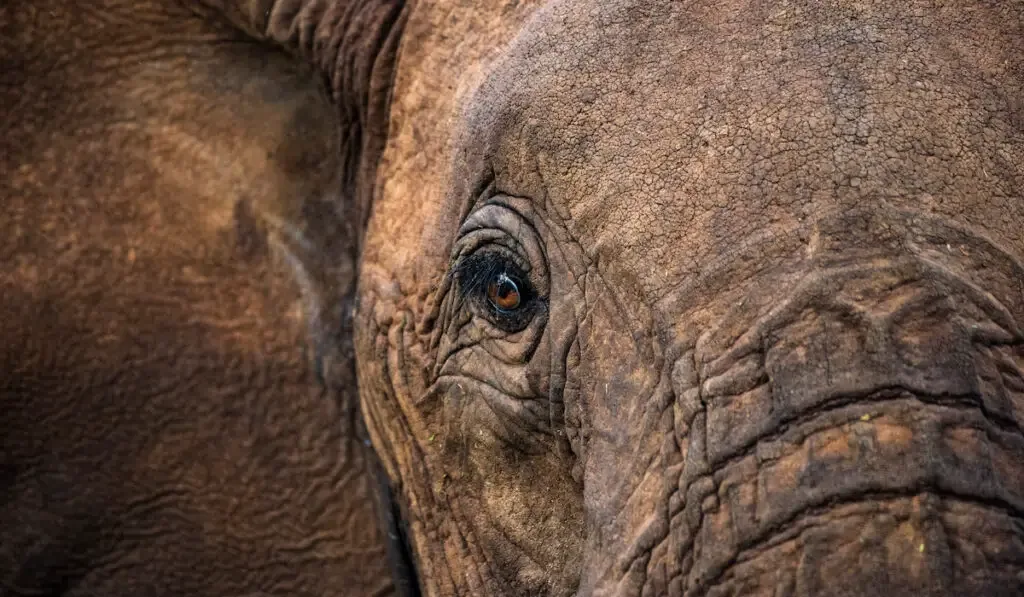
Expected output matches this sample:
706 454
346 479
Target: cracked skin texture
178 414
780 245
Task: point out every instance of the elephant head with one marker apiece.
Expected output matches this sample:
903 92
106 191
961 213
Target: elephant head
694 298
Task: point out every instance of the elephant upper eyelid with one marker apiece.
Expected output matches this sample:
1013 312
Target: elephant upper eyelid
473 271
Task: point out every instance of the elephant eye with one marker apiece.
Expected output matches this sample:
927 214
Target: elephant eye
495 287
503 292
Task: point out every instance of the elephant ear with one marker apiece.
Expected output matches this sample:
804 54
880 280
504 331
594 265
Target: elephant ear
165 185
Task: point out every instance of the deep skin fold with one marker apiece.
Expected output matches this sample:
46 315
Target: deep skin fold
785 264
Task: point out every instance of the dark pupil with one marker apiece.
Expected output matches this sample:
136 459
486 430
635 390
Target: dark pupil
503 293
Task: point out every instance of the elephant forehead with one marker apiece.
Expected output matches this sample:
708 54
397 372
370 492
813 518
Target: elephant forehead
667 133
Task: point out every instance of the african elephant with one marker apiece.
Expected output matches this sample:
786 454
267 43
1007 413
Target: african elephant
639 298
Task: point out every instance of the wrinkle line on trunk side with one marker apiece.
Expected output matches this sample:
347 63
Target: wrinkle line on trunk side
824 508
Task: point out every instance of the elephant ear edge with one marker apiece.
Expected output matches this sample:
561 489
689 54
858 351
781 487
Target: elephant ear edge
353 46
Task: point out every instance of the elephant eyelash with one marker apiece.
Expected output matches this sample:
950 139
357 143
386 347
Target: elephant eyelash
475 272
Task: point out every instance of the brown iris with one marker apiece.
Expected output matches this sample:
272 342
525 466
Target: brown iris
503 293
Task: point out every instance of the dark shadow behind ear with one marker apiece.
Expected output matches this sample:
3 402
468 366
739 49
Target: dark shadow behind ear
395 528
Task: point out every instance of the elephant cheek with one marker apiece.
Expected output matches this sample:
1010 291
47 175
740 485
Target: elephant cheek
528 519
626 407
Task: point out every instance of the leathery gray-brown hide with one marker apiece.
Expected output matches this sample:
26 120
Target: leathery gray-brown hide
776 249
